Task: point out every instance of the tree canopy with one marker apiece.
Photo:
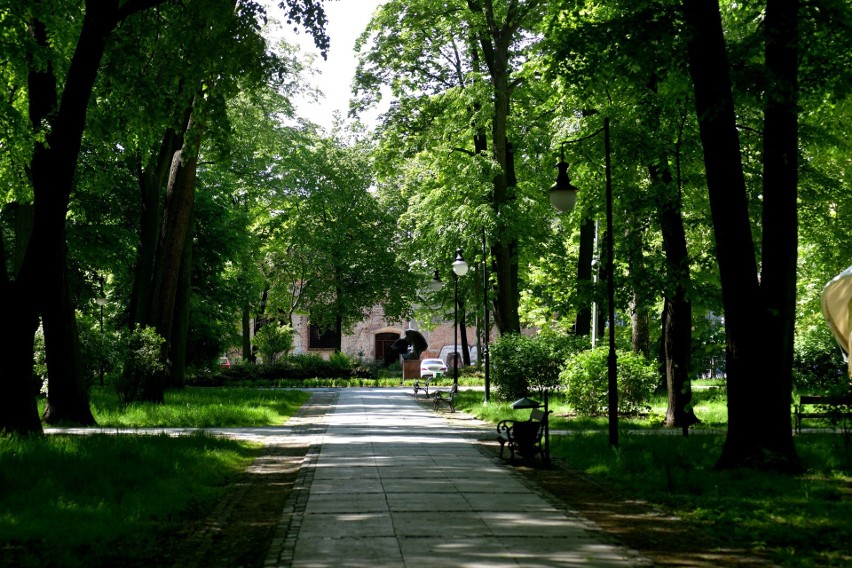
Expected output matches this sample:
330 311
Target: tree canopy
150 155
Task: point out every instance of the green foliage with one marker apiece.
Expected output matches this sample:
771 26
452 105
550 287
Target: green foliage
273 340
585 381
39 361
103 500
98 350
818 365
708 345
798 521
523 363
141 353
298 367
200 408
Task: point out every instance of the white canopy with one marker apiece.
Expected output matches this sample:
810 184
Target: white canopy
836 298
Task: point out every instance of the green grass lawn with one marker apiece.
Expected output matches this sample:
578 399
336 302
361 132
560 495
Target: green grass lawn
799 521
213 407
109 500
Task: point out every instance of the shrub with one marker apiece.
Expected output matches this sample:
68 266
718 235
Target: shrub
141 362
273 340
585 380
98 350
817 361
521 362
295 367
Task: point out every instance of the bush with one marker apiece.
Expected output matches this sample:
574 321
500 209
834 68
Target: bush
295 367
141 362
818 365
98 350
522 363
273 340
585 380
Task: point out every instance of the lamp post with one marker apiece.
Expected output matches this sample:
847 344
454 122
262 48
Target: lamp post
486 324
101 302
563 196
460 268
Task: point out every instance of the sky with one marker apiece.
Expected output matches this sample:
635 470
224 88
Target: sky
346 20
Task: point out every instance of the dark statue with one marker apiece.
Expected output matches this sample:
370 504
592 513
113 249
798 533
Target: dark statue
410 346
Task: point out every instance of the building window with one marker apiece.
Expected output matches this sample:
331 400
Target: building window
322 338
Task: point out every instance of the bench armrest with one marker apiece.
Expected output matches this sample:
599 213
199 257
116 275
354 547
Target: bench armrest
505 426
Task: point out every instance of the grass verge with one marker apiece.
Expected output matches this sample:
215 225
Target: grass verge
101 500
104 500
195 407
798 521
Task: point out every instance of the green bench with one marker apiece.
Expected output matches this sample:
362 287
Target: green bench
830 407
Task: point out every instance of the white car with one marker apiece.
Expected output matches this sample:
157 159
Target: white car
429 367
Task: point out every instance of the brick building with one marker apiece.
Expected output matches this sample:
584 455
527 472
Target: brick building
371 338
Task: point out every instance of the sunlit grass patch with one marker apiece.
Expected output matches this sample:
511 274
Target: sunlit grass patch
98 500
201 408
798 520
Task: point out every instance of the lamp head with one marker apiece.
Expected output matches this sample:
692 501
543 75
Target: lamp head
563 195
460 267
436 283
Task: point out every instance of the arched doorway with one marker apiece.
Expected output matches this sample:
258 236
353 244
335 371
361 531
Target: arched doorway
383 343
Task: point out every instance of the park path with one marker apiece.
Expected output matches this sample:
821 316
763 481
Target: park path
387 482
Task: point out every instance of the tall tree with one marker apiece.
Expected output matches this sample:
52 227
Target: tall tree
459 58
759 308
334 246
59 93
642 77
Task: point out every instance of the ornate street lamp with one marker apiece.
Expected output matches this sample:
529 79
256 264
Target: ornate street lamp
460 268
563 196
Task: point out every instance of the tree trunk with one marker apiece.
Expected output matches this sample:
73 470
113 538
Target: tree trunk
180 199
780 218
152 181
246 326
338 333
759 430
640 324
180 332
677 318
68 389
504 253
583 324
18 408
53 166
640 339
465 346
495 41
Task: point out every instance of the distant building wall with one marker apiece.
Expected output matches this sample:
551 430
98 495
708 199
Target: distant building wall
361 343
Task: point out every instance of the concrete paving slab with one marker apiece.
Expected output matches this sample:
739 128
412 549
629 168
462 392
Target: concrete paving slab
381 552
435 552
347 486
347 503
346 525
389 482
444 502
439 524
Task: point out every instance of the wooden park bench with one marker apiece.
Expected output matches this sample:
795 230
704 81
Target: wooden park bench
523 436
445 397
831 407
